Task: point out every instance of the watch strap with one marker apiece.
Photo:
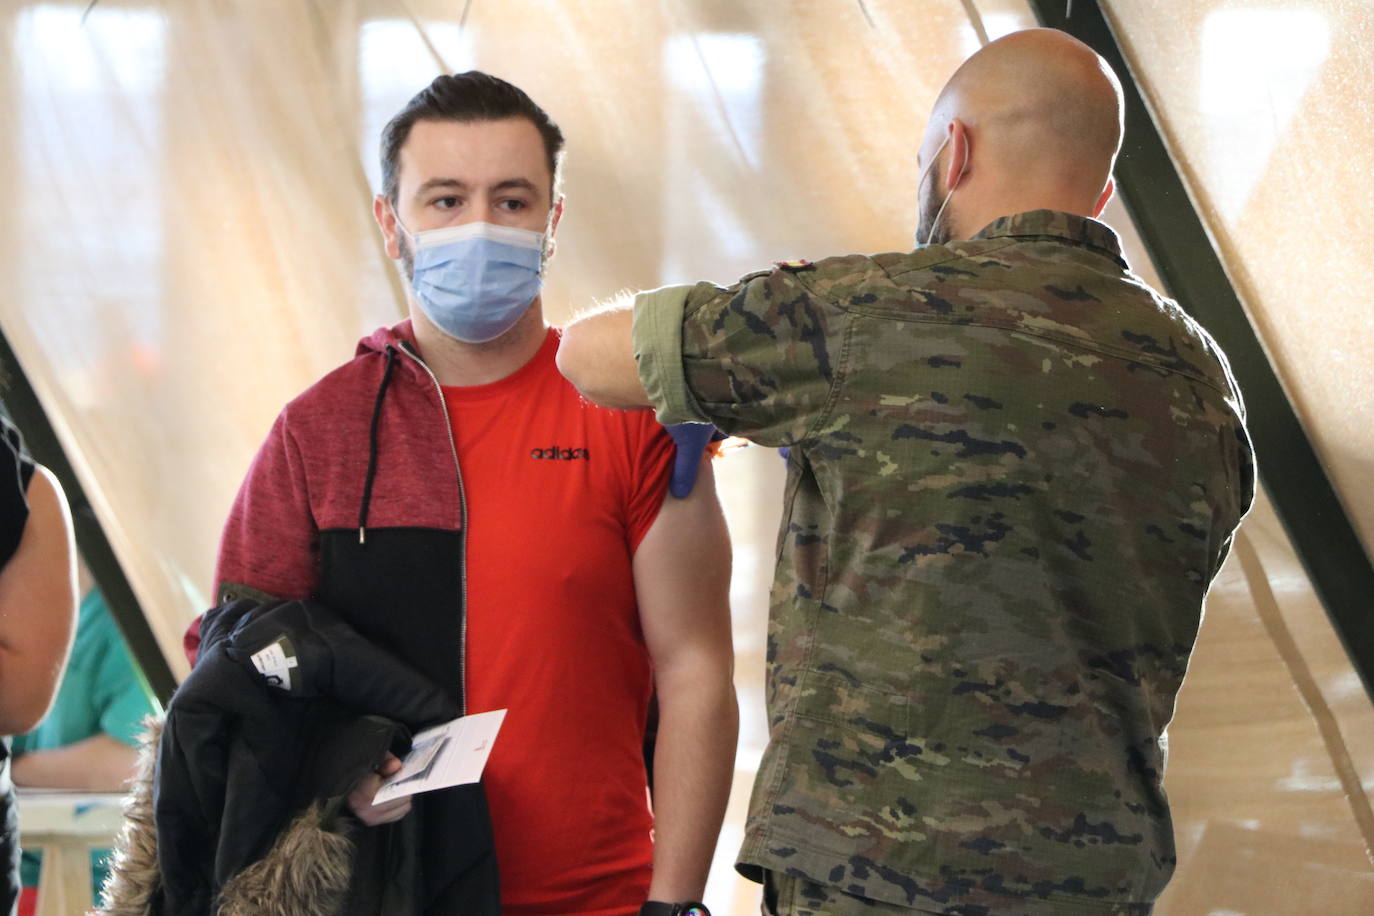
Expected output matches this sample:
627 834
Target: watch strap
685 908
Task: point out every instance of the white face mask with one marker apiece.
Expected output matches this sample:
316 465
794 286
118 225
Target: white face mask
925 172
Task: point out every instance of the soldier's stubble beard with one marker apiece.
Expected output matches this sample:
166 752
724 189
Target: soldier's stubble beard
929 206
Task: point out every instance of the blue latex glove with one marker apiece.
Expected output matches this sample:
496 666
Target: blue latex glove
691 440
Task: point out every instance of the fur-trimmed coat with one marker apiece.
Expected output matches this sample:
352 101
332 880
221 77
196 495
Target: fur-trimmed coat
239 801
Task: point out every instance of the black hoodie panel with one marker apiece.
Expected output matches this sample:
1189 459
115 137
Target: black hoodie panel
402 589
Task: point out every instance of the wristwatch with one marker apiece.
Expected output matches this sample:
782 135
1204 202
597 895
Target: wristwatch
687 908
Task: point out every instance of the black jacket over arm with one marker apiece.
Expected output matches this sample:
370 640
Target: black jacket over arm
253 769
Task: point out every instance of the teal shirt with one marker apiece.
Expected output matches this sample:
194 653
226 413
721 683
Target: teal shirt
101 691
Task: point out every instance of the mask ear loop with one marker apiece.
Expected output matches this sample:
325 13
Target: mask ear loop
920 182
410 236
925 172
941 212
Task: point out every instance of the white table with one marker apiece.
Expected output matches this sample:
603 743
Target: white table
66 826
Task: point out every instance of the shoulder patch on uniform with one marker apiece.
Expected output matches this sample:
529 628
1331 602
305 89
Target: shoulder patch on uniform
798 264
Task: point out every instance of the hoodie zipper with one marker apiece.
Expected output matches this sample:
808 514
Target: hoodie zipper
463 509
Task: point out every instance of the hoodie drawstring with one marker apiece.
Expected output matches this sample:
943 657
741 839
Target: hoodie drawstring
372 444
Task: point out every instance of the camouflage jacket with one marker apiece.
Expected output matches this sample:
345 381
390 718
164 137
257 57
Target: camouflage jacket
1014 471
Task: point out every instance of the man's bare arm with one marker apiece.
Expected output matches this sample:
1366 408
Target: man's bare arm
682 581
37 608
99 763
597 356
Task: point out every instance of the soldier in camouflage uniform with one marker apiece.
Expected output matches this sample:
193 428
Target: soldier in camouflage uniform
1014 471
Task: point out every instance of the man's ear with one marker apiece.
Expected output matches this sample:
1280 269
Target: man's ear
554 219
386 221
1106 197
960 153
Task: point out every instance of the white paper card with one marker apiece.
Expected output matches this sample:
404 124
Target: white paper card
452 754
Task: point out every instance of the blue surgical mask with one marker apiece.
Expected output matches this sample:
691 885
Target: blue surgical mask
475 281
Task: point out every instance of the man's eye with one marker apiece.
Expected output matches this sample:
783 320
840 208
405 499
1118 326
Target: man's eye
446 203
512 204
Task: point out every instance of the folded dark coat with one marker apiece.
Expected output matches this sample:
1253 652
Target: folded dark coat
286 709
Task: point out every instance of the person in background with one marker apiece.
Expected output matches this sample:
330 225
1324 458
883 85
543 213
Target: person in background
37 616
88 741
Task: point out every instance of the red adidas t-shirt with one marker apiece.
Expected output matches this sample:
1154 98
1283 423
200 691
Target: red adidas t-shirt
559 494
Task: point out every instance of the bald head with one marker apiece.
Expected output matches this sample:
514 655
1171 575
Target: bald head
1034 120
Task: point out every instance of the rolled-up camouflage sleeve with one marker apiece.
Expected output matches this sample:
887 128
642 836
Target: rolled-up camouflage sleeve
755 359
658 354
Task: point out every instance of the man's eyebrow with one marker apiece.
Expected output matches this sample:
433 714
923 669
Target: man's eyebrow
434 183
512 183
455 184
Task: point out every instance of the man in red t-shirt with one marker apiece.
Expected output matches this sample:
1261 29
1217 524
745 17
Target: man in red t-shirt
507 538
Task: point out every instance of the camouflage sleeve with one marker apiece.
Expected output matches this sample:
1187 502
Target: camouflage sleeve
755 359
1241 457
657 339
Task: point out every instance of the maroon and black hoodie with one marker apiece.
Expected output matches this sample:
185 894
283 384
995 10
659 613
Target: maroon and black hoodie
356 500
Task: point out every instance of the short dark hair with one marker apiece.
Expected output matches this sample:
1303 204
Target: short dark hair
471 96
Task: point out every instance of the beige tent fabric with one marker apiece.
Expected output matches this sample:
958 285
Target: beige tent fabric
187 243
1268 108
1271 749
